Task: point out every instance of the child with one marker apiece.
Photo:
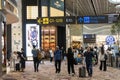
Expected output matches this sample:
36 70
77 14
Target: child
17 61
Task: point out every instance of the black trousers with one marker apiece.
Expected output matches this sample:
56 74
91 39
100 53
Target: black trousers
103 65
71 67
58 66
36 63
17 67
51 59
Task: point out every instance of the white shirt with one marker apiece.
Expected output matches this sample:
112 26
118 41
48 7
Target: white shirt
51 53
102 57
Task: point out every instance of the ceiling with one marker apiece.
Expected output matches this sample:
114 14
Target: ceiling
90 7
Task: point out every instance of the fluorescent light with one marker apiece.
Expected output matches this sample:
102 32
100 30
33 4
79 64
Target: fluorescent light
114 1
117 6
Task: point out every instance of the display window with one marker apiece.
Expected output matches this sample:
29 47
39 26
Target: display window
76 44
48 37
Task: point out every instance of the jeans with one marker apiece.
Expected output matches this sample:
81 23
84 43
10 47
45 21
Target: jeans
36 63
58 65
89 69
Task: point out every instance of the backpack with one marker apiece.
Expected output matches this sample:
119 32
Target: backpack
39 55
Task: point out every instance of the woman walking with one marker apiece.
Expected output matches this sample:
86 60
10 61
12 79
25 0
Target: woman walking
70 61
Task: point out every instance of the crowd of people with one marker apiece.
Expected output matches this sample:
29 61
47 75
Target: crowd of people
87 57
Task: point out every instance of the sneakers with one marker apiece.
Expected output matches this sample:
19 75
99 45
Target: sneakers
72 74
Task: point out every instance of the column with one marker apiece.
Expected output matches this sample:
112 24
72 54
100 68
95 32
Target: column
2 17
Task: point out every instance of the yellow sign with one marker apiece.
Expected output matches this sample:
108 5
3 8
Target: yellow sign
51 20
45 21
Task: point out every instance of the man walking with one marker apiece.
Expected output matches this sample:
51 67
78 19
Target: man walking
88 59
35 58
58 57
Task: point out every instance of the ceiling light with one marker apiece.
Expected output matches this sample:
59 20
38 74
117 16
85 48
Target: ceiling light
114 1
117 6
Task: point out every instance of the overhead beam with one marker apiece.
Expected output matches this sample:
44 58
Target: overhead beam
93 7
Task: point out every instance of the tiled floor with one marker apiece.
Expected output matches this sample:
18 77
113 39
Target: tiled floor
47 72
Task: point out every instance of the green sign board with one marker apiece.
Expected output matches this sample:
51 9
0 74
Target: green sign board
58 4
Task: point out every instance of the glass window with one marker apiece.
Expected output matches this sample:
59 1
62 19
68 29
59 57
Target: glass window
32 12
44 11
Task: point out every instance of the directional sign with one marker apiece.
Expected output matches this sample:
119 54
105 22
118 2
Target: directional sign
80 20
70 20
73 20
92 19
110 40
51 20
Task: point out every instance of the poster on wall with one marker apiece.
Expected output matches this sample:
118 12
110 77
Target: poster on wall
32 38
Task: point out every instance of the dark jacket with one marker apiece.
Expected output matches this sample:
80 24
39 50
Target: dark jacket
58 55
88 57
70 56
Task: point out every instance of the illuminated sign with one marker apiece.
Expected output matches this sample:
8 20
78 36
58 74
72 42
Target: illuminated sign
110 40
51 20
92 19
78 20
56 20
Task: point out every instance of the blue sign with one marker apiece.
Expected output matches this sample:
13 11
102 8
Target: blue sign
110 40
92 19
86 19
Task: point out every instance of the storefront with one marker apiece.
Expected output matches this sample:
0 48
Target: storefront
43 36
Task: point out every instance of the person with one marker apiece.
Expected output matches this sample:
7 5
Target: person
76 55
16 59
35 58
8 57
63 53
70 61
103 58
88 59
22 59
51 55
43 55
95 55
57 58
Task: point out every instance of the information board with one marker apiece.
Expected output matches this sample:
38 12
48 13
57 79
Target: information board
92 19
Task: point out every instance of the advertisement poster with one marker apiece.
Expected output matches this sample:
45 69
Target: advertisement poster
32 38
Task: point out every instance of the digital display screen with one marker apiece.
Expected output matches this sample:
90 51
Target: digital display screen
92 19
32 38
